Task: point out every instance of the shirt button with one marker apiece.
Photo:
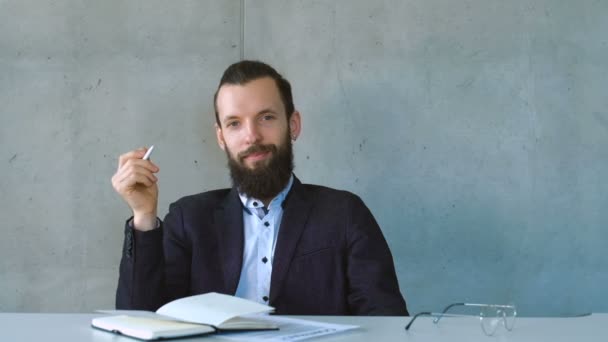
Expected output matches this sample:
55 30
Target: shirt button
265 298
264 260
255 204
266 224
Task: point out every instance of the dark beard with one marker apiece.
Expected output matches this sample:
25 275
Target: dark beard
266 180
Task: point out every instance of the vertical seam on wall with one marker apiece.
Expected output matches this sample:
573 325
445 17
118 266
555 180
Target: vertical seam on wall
242 52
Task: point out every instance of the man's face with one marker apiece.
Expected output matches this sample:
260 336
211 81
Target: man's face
255 133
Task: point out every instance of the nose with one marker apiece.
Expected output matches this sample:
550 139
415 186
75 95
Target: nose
252 133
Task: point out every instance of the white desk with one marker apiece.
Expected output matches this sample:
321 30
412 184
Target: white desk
76 327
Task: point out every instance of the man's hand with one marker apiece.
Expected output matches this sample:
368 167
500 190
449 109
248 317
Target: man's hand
136 183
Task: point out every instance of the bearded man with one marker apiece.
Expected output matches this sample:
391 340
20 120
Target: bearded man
303 249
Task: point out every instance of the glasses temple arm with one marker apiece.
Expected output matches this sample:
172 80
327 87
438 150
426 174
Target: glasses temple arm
407 327
447 308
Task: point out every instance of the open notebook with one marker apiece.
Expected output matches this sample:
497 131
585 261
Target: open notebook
195 315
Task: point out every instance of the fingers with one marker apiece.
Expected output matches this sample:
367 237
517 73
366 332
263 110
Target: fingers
133 168
135 154
136 163
123 183
133 172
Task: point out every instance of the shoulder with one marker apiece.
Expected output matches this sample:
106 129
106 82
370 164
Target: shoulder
324 191
200 201
340 207
333 197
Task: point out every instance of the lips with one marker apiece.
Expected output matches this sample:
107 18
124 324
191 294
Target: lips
257 156
256 152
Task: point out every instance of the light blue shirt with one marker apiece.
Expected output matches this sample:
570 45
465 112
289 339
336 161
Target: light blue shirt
261 227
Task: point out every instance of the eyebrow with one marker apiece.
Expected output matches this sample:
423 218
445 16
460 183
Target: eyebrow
263 111
267 110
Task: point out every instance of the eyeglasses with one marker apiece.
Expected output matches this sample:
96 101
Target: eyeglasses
490 316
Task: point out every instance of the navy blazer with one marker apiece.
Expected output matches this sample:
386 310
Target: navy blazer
330 259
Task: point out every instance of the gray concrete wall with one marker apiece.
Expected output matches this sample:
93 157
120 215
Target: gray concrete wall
476 131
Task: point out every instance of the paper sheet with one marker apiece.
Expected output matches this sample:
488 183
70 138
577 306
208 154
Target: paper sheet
290 329
211 308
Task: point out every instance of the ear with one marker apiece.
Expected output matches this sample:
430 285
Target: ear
295 125
220 137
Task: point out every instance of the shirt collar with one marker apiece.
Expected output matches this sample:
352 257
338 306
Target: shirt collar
254 203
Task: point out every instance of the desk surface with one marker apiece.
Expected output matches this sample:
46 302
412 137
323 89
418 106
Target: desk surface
76 327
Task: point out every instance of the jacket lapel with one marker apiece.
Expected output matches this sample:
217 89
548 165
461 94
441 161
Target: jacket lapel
297 207
229 226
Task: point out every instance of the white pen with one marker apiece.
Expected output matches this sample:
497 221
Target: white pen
148 153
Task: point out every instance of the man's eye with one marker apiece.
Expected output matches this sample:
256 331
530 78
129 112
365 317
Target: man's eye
268 117
232 124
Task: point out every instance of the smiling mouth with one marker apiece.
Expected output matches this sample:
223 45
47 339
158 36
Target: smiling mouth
257 156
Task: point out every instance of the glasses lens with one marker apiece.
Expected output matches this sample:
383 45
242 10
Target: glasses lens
510 314
490 319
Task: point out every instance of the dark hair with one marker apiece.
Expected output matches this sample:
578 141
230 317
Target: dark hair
243 72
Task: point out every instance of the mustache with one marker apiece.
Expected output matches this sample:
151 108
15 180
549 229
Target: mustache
257 149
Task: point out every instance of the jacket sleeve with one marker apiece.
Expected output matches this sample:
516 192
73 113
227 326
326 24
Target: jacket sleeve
373 286
155 265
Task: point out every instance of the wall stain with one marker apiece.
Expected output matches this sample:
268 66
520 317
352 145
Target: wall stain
466 84
474 54
363 142
12 158
601 119
91 87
